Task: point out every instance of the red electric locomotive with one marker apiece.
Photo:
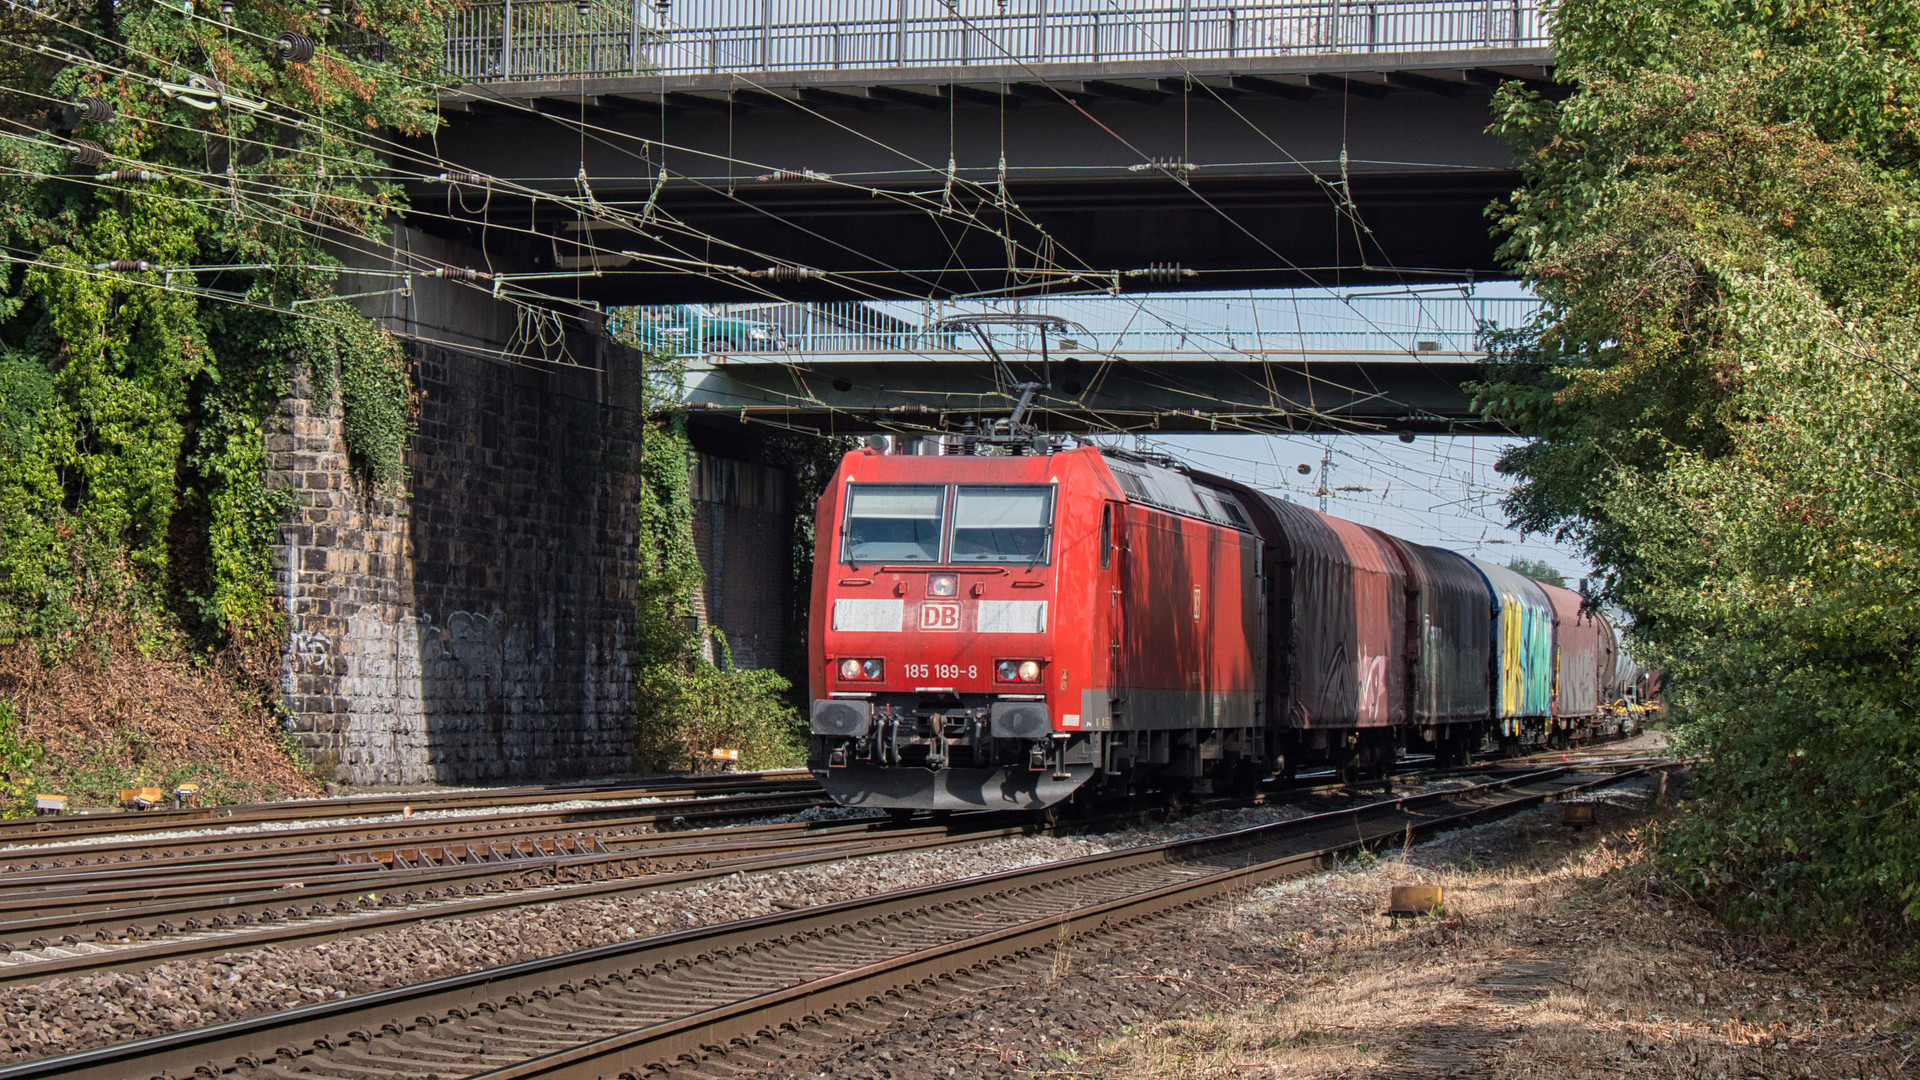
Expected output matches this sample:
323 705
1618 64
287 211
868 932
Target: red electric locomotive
994 632
1008 629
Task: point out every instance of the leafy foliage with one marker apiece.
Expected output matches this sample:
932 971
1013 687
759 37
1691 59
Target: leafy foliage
1724 224
19 759
1538 570
133 403
685 703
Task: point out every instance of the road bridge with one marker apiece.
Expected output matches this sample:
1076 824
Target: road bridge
1379 364
834 149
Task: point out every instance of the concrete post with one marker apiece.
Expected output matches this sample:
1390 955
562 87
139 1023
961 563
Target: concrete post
506 39
766 35
633 37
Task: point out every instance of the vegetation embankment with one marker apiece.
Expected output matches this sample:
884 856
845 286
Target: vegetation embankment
176 190
1723 400
689 696
168 189
1557 953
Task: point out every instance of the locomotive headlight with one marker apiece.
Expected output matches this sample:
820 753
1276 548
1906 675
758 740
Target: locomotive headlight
860 670
1017 670
943 585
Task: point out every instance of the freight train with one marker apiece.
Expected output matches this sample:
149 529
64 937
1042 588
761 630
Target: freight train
1037 624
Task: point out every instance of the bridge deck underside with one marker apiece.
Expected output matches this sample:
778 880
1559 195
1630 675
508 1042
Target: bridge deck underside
1336 170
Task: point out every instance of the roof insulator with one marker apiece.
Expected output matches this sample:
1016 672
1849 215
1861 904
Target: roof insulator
1164 164
293 47
793 174
86 152
93 110
788 273
1162 272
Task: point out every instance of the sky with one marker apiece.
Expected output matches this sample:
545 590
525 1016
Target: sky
1440 490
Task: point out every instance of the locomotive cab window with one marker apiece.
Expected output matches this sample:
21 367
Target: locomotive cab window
893 523
1010 523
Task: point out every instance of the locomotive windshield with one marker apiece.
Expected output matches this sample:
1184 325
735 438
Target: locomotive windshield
894 522
1009 523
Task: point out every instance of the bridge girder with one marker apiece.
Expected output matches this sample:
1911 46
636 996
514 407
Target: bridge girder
1283 392
1354 169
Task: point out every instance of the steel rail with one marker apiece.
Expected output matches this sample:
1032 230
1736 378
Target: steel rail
80 889
121 917
132 855
397 910
33 830
634 1005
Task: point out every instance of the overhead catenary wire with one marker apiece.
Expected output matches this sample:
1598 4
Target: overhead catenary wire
550 196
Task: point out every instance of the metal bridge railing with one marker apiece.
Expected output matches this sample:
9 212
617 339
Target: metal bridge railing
1196 328
546 39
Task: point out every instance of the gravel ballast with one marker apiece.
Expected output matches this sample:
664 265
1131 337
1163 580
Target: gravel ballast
65 1014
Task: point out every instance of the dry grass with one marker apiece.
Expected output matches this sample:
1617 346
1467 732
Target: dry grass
1556 957
111 715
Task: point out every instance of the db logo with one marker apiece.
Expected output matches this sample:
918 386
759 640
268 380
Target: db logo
939 616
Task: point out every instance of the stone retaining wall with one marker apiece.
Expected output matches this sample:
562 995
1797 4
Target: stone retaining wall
478 629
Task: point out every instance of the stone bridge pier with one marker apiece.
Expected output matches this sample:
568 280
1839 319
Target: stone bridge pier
477 627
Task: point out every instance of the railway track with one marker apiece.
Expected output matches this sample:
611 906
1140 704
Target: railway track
128 917
114 823
145 934
640 1006
321 844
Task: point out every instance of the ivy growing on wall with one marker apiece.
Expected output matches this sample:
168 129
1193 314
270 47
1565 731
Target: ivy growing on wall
148 294
689 699
366 369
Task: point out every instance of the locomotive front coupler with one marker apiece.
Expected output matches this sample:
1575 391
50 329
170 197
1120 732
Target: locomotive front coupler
932 733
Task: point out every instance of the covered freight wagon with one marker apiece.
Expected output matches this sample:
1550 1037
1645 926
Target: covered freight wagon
1451 637
1522 660
1576 656
1337 617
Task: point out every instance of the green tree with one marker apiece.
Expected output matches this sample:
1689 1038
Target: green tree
1538 570
1722 223
163 251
